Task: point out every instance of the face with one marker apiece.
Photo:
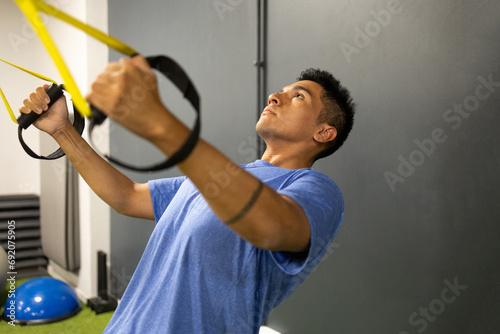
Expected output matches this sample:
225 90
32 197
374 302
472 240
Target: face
292 113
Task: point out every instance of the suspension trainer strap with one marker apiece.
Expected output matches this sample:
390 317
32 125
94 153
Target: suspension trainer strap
163 64
31 9
36 75
25 120
171 70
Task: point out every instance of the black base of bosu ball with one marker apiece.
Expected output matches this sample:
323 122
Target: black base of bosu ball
104 302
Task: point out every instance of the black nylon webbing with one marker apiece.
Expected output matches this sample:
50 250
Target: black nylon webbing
170 69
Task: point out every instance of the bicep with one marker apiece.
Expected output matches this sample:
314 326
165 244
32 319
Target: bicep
296 230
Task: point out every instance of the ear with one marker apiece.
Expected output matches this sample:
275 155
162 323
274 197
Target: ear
325 134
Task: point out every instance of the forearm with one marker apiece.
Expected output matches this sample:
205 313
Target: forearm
107 182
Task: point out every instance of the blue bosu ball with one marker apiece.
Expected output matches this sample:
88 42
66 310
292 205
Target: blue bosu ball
41 300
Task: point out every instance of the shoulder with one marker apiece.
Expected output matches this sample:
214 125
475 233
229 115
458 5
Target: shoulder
312 181
316 193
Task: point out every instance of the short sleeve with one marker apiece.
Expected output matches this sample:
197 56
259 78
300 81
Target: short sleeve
162 192
322 202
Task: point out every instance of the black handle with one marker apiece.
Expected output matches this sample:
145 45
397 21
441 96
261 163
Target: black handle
97 116
54 92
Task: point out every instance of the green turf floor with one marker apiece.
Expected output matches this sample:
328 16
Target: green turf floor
85 322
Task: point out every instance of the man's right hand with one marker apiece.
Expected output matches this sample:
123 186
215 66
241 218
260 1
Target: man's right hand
53 120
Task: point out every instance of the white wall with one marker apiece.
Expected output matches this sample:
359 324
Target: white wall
86 58
18 172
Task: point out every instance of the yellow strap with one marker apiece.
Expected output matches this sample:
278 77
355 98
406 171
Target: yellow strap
31 8
9 109
39 76
89 30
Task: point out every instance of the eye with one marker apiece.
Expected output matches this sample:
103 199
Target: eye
300 96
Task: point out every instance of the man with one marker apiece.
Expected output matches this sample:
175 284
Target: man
219 260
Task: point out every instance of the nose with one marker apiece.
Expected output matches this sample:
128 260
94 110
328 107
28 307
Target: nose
273 99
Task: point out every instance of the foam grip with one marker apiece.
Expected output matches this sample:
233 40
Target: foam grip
54 92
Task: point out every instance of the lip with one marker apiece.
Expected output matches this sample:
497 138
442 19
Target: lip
267 111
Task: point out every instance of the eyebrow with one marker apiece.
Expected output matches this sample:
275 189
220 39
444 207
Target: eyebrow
298 87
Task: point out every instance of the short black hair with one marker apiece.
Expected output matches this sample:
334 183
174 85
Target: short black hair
338 107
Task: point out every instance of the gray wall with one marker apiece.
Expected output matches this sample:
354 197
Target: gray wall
397 246
418 175
217 50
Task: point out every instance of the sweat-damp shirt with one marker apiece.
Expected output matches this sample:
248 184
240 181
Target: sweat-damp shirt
198 276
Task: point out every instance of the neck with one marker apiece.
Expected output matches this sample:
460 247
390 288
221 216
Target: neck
284 159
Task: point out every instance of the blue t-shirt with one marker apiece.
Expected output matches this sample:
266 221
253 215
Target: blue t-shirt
198 276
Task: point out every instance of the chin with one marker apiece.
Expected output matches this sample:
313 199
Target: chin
265 134
261 128
267 131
